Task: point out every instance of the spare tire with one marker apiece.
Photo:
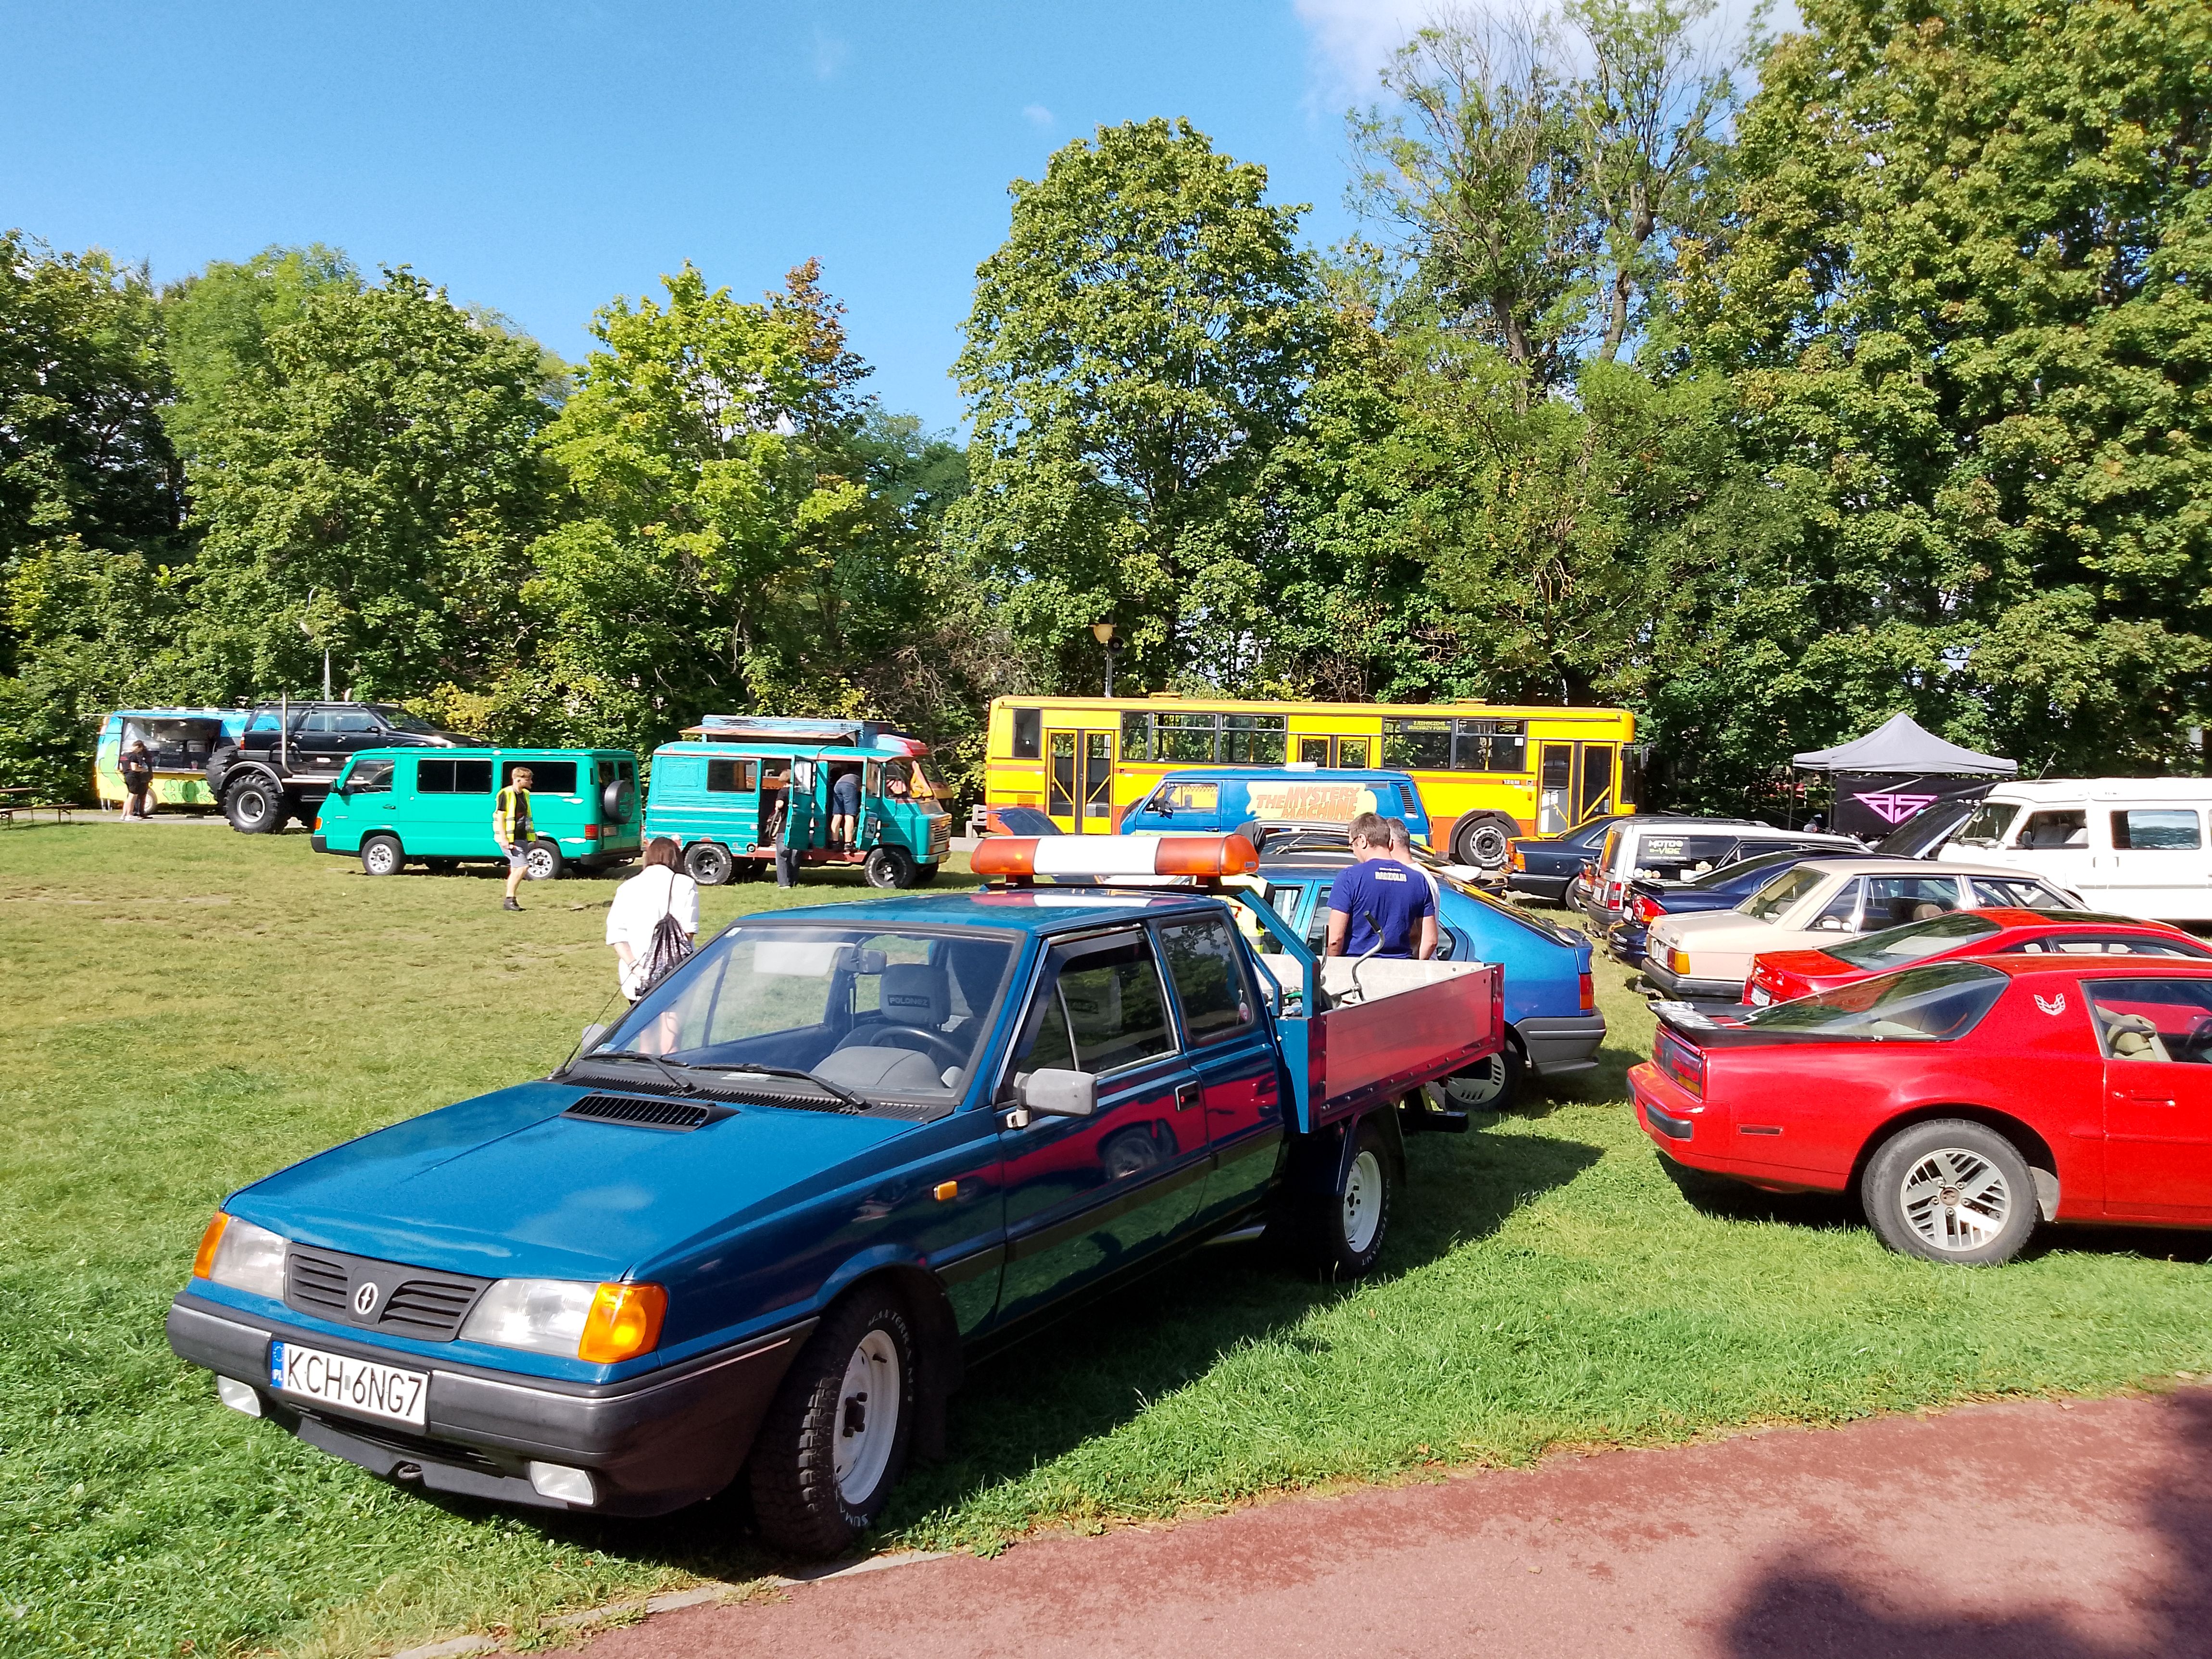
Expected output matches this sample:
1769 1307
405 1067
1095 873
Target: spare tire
619 800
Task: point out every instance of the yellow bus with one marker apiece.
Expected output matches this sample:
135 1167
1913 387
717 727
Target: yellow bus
1487 771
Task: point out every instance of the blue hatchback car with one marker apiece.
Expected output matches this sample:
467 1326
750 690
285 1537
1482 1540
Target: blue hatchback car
1552 1023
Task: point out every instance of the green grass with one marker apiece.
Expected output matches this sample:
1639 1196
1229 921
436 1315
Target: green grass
188 1009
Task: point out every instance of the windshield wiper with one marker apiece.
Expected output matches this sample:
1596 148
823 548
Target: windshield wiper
684 1085
822 1083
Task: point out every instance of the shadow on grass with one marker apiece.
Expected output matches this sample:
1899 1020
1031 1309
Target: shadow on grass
1097 1366
1725 1200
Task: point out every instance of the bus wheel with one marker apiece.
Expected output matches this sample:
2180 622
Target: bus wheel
380 856
1483 840
709 863
889 866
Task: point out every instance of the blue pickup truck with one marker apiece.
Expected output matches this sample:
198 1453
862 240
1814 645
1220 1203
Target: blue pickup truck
748 1234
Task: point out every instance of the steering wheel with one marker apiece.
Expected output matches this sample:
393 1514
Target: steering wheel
2198 1045
870 1036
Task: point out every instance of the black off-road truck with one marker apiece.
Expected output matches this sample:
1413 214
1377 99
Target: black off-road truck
290 753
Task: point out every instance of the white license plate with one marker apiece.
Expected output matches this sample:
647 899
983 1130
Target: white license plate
353 1385
1760 996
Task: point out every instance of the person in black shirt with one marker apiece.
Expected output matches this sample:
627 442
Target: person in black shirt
137 767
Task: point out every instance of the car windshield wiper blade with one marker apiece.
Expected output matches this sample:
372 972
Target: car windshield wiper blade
684 1085
822 1083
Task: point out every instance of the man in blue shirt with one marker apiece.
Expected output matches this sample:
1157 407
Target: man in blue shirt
1379 899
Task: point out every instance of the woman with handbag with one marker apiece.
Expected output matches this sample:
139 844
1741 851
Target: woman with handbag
654 920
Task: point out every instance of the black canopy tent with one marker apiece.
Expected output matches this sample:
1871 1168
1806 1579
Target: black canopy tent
1897 771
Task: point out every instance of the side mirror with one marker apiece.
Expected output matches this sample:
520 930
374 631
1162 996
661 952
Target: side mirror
594 1036
1051 1093
1829 925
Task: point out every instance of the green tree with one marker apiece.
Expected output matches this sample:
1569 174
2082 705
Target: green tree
744 531
1136 349
1963 301
367 481
216 323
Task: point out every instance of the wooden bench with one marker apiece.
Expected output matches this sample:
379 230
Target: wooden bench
25 800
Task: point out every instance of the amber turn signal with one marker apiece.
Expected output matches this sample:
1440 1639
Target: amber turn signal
624 1322
204 1259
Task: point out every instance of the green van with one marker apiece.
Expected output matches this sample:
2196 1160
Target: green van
706 796
434 806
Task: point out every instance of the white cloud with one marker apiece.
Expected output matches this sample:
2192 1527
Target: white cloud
829 55
1038 115
1351 40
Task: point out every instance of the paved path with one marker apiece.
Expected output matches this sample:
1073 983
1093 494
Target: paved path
2017 1531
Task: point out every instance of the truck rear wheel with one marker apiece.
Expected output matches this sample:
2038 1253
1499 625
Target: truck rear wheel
254 807
1339 1234
835 1443
709 863
889 866
380 856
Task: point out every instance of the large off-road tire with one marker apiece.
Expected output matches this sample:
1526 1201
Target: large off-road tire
709 863
835 1442
254 806
380 856
1483 840
1339 1234
1950 1190
889 866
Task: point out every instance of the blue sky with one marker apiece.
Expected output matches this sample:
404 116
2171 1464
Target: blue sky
541 158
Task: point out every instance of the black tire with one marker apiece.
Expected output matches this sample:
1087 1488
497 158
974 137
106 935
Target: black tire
926 874
889 866
1339 1234
800 1503
380 855
1974 1201
544 862
1483 840
710 863
254 806
1488 1086
619 800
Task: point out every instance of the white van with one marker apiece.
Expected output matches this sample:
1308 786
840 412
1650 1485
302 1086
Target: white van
2135 846
1650 847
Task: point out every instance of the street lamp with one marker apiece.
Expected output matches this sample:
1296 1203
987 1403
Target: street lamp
1103 633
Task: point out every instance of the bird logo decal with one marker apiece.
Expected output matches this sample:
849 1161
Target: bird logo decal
2053 1005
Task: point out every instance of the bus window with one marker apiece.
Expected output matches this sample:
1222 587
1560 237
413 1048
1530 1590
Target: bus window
1028 734
1136 735
1490 746
1418 745
1313 751
1186 738
1253 739
1351 754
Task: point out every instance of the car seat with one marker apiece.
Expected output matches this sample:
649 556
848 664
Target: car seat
916 993
2131 1037
1926 911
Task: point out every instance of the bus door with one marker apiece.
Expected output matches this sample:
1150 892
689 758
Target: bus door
1079 784
1574 784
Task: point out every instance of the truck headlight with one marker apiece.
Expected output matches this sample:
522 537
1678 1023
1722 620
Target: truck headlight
603 1323
241 1255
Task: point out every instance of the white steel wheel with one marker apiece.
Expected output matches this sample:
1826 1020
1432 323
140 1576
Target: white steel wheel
1362 1202
867 1417
1955 1200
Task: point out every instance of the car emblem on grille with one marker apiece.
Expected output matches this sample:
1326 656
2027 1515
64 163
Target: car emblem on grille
364 1299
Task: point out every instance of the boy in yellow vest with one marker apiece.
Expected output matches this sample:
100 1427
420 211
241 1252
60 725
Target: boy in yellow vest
510 827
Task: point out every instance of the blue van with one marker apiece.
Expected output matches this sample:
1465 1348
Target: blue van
1216 800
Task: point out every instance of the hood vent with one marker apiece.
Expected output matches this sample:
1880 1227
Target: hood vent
678 1114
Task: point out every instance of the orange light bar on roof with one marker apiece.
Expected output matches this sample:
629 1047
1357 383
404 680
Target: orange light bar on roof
1202 856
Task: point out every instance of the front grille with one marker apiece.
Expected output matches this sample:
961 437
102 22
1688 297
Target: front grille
940 837
409 1301
678 1114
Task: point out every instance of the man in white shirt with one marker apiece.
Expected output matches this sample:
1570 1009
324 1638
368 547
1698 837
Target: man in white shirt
661 888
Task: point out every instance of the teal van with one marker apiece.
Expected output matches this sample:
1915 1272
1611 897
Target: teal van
433 806
706 796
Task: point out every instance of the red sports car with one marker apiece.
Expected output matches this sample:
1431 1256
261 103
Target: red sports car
1966 1100
1780 975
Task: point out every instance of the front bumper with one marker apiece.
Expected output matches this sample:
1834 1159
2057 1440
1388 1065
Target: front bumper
652 1443
1558 1045
1684 987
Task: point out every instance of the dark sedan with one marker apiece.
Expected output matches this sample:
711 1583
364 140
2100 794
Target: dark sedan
1542 866
1716 890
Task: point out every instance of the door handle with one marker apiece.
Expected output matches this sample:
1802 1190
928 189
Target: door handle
2140 1098
1188 1095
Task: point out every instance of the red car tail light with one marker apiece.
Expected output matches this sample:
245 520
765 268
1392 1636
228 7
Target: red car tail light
591 832
1589 993
1515 861
1685 1065
1648 909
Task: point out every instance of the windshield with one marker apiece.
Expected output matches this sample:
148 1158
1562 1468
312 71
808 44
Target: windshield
400 721
911 780
1986 824
1935 1004
1781 894
895 1015
1893 947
